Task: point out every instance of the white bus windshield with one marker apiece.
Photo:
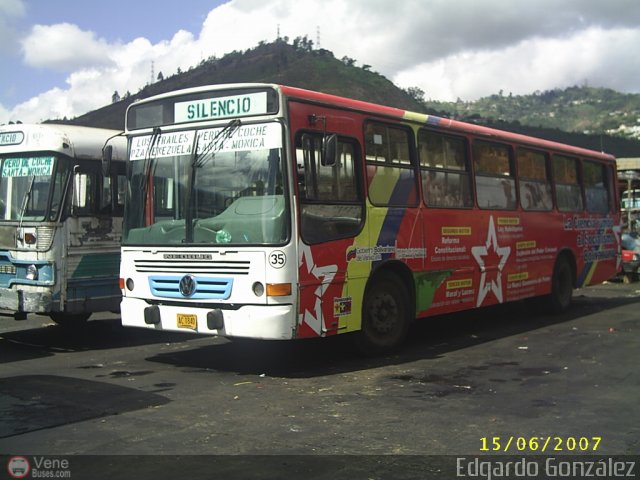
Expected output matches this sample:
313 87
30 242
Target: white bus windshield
214 186
29 185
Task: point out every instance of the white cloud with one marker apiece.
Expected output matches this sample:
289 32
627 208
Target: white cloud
64 47
596 56
450 49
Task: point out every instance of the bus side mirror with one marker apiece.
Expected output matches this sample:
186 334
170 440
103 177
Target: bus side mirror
107 155
329 150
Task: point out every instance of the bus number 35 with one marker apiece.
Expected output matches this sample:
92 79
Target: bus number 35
277 259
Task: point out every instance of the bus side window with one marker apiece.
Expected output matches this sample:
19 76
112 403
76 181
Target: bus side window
533 178
330 195
596 187
445 170
121 188
112 195
567 184
106 197
390 170
495 183
84 194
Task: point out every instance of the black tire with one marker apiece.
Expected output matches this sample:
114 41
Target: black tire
386 315
561 286
69 319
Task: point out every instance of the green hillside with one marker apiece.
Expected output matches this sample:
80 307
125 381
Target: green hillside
575 109
297 65
580 115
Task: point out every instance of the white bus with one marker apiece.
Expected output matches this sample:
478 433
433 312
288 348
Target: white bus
61 213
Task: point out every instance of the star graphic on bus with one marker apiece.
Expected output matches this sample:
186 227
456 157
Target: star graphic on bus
486 255
324 275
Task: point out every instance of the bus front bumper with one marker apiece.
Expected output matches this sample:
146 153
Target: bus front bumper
20 302
269 322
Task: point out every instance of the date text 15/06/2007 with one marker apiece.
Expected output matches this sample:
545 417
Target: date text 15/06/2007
551 444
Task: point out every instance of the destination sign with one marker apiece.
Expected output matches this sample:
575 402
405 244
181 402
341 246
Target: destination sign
247 137
27 167
11 138
165 145
221 107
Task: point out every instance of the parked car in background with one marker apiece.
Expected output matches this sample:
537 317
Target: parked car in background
630 258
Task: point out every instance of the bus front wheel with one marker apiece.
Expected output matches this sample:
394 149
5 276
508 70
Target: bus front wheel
385 315
69 319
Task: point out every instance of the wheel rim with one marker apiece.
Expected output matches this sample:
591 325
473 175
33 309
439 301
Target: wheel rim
384 314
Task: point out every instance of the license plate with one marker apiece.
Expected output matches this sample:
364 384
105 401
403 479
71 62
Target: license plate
187 321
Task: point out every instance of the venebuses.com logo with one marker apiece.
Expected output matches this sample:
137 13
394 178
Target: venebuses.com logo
19 466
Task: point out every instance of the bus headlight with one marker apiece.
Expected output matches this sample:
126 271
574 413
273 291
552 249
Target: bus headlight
32 272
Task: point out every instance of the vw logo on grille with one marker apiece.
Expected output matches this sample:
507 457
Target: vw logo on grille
187 285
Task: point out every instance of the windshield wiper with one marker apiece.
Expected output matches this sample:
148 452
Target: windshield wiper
209 152
188 214
148 160
25 199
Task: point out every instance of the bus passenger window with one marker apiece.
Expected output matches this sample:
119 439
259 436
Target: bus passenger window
445 170
533 178
596 186
121 188
567 184
84 194
390 172
495 184
105 197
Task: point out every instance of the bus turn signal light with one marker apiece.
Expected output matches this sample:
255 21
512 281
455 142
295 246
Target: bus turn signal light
278 289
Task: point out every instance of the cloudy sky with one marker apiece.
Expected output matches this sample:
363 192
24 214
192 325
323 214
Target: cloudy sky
66 57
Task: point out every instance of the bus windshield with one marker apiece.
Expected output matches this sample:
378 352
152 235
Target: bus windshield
210 186
31 187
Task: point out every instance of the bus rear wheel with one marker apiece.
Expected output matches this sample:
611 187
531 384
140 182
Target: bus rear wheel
561 286
69 319
385 315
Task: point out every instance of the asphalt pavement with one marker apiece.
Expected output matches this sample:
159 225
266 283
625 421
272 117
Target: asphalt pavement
502 380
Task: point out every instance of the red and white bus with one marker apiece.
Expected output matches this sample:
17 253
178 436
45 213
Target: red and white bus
273 212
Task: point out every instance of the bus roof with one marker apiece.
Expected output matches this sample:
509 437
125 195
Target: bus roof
440 122
391 112
73 140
